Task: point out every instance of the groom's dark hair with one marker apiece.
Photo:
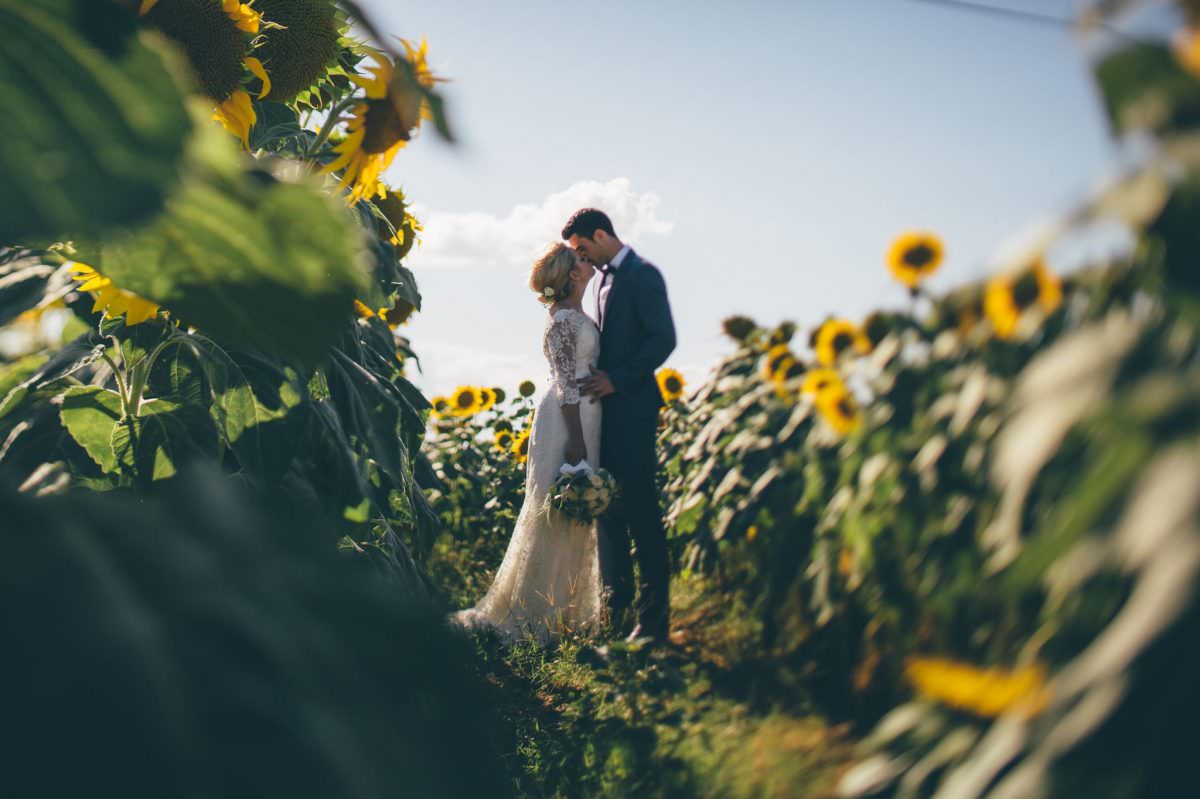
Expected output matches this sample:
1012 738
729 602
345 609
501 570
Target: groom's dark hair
585 222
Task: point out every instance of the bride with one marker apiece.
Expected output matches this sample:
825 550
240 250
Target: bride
549 581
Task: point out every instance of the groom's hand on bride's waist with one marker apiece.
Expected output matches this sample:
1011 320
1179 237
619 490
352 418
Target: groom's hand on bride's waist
597 385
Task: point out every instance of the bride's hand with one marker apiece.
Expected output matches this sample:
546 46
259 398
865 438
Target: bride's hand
576 451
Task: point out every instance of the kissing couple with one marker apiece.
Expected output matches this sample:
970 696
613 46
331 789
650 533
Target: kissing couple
601 405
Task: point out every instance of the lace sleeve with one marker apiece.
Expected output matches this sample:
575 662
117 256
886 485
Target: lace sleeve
560 343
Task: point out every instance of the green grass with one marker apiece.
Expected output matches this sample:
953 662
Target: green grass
699 719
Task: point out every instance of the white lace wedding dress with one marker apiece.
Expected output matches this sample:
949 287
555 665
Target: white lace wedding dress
549 580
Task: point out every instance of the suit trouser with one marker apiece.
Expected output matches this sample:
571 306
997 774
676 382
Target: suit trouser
627 450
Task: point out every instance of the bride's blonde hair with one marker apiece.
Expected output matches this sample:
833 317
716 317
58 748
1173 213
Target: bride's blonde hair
550 276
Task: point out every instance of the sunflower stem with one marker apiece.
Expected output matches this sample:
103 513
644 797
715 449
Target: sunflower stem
331 122
122 388
141 372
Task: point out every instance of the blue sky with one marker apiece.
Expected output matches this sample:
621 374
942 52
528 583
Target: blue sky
763 154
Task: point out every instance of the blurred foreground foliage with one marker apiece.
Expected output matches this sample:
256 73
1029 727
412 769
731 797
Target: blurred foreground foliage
210 643
209 294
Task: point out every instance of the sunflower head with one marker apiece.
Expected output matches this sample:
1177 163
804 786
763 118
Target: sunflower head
739 328
1008 298
520 446
465 401
441 405
818 380
776 359
837 338
402 227
914 256
213 35
503 426
504 440
299 46
383 121
670 384
527 388
487 398
399 314
838 408
500 394
782 334
791 370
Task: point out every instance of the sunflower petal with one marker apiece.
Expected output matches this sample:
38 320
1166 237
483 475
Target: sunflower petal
256 66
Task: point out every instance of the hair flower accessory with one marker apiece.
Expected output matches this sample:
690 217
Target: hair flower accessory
548 291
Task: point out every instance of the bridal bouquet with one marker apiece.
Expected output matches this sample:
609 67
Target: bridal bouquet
581 492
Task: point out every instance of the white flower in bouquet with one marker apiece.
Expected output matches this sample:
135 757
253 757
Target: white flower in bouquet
582 493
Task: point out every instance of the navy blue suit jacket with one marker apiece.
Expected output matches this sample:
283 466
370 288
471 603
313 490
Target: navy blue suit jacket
636 336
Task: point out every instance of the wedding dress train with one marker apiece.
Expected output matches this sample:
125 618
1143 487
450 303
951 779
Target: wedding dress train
549 580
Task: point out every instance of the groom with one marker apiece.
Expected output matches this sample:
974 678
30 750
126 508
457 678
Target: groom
636 336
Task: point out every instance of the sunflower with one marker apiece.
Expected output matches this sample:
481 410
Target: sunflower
790 370
520 446
109 299
487 398
1008 297
527 388
500 394
393 317
441 405
465 401
914 256
739 328
217 37
837 337
838 408
777 358
819 380
383 122
503 426
504 440
402 227
670 384
782 334
300 45
399 314
985 692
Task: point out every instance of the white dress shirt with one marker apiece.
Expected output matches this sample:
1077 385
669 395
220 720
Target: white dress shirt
607 280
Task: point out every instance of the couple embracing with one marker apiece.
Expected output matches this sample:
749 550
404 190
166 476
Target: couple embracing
601 406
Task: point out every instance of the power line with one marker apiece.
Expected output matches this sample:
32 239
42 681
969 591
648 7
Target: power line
1017 14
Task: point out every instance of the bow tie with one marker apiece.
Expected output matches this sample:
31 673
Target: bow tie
605 268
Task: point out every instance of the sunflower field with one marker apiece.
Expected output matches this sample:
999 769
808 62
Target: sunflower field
210 466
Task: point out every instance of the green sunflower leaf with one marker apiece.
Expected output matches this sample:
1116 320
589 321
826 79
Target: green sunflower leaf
91 415
167 432
94 124
246 258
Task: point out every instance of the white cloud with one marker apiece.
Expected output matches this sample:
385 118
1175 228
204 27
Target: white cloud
453 239
447 366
